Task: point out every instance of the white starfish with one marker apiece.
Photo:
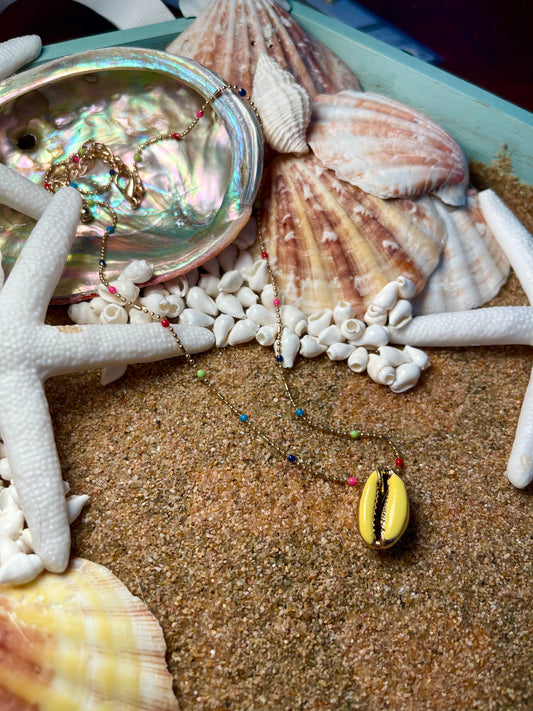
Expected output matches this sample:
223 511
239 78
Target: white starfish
17 52
498 325
33 351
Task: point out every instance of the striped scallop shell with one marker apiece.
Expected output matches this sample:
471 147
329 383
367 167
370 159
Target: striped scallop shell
472 267
230 35
81 641
386 148
328 241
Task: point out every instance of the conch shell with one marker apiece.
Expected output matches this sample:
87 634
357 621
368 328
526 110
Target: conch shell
386 148
284 107
328 241
230 35
81 641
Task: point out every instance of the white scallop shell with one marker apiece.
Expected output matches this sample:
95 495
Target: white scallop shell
472 267
284 107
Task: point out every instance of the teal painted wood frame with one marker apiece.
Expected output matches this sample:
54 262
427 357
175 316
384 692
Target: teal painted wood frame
480 122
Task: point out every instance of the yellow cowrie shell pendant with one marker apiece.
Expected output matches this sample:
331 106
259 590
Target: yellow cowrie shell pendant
383 511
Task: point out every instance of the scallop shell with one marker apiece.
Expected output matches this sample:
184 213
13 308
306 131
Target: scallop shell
230 35
199 191
284 107
328 241
81 641
386 148
472 266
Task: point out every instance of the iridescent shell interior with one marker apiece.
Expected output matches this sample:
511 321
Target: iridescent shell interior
199 190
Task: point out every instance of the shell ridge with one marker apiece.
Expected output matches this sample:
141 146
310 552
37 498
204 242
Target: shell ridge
407 153
334 242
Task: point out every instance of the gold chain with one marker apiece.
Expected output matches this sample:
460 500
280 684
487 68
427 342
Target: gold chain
128 181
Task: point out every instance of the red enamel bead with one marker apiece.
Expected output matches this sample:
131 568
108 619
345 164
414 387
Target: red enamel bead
165 322
399 462
264 255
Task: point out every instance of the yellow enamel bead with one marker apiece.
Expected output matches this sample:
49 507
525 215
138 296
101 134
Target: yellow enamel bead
383 512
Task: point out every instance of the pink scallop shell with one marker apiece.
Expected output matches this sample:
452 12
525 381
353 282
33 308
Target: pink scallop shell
230 35
386 148
328 241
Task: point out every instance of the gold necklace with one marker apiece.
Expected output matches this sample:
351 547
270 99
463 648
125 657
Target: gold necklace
383 511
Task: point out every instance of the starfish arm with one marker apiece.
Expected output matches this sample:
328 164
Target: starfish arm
17 52
66 349
515 241
37 270
21 194
26 430
520 465
496 325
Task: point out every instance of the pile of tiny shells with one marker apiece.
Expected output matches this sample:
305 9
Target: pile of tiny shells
232 294
18 561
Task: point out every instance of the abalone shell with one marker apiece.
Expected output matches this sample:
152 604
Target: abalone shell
199 190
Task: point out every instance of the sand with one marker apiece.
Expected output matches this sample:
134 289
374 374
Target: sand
267 596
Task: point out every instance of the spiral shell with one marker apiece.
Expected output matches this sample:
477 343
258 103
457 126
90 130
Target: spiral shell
284 107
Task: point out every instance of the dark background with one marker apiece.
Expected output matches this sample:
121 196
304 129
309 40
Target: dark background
485 42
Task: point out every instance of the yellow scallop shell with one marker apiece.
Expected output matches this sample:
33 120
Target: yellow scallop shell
81 641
